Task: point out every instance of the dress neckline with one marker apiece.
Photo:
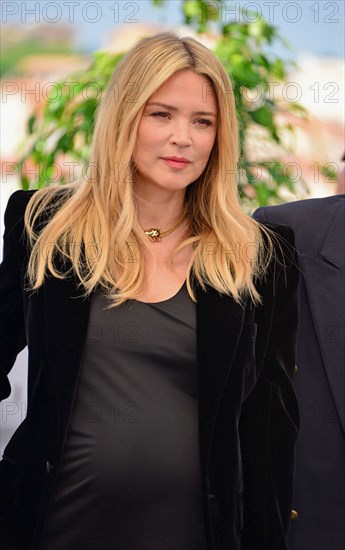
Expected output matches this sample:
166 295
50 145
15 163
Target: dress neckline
162 301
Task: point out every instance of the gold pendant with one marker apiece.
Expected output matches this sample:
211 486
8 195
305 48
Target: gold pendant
153 234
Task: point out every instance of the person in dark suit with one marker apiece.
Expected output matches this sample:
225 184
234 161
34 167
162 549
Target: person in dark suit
161 324
319 227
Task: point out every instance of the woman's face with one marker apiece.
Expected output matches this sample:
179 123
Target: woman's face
176 133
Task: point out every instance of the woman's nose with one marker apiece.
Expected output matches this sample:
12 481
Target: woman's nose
181 135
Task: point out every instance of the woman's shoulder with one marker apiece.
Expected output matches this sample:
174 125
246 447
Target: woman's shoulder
282 239
281 231
282 267
15 209
18 202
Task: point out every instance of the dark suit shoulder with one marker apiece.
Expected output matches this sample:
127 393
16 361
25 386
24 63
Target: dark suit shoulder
296 213
317 223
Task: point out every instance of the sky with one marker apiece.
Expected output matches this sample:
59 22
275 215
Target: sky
311 26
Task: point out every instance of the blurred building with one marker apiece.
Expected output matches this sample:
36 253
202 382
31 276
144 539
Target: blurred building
20 97
317 139
122 38
56 34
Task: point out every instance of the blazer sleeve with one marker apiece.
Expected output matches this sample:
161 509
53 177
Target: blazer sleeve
12 324
270 417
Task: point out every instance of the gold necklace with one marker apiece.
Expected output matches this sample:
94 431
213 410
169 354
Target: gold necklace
155 234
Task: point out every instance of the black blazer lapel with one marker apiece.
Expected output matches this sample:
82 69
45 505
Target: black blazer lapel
219 325
324 272
67 316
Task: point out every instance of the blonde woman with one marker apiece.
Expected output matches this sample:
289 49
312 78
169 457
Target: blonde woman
160 321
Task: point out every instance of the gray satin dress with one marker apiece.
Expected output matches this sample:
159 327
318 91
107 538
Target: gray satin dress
130 476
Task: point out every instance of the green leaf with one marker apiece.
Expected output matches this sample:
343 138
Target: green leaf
31 123
25 182
278 69
65 143
191 8
264 117
262 30
330 171
262 193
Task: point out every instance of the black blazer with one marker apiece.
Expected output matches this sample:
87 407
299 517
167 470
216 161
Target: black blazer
319 226
248 413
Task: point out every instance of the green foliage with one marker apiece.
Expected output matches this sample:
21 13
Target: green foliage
330 171
255 75
66 127
65 130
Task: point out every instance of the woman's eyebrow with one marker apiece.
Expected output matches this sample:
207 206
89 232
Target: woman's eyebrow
172 108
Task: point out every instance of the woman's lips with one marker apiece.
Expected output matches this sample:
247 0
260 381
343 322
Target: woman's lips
176 163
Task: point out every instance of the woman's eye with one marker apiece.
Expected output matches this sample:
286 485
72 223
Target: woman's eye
160 114
204 121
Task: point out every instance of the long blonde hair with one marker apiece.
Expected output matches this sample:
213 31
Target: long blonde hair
97 212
